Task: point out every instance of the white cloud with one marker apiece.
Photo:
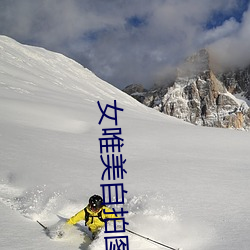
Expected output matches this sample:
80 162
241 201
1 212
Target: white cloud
228 28
233 50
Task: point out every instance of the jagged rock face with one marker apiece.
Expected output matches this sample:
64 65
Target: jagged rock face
133 88
204 102
199 97
137 91
237 81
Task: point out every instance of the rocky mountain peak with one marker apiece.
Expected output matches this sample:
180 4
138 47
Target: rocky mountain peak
200 96
197 64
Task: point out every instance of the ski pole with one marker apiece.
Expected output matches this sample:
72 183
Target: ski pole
159 243
45 228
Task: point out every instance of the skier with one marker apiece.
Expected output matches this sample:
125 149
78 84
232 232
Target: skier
94 215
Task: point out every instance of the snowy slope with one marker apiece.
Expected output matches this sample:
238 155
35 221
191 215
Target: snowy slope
187 186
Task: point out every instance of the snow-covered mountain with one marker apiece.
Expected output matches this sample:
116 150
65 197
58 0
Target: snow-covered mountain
201 95
188 186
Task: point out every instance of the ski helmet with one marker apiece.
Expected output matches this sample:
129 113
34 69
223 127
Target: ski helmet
95 202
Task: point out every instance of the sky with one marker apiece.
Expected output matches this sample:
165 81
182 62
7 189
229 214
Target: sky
131 41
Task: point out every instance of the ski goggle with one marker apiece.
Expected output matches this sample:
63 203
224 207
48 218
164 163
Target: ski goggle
94 207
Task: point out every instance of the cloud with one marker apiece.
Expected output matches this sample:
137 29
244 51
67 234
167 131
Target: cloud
121 41
233 49
228 28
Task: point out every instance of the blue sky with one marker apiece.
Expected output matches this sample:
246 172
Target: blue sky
131 41
218 17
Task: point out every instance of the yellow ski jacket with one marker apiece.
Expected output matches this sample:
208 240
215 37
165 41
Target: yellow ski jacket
93 222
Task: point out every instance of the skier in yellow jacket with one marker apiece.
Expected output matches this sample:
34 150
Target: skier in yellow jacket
93 215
